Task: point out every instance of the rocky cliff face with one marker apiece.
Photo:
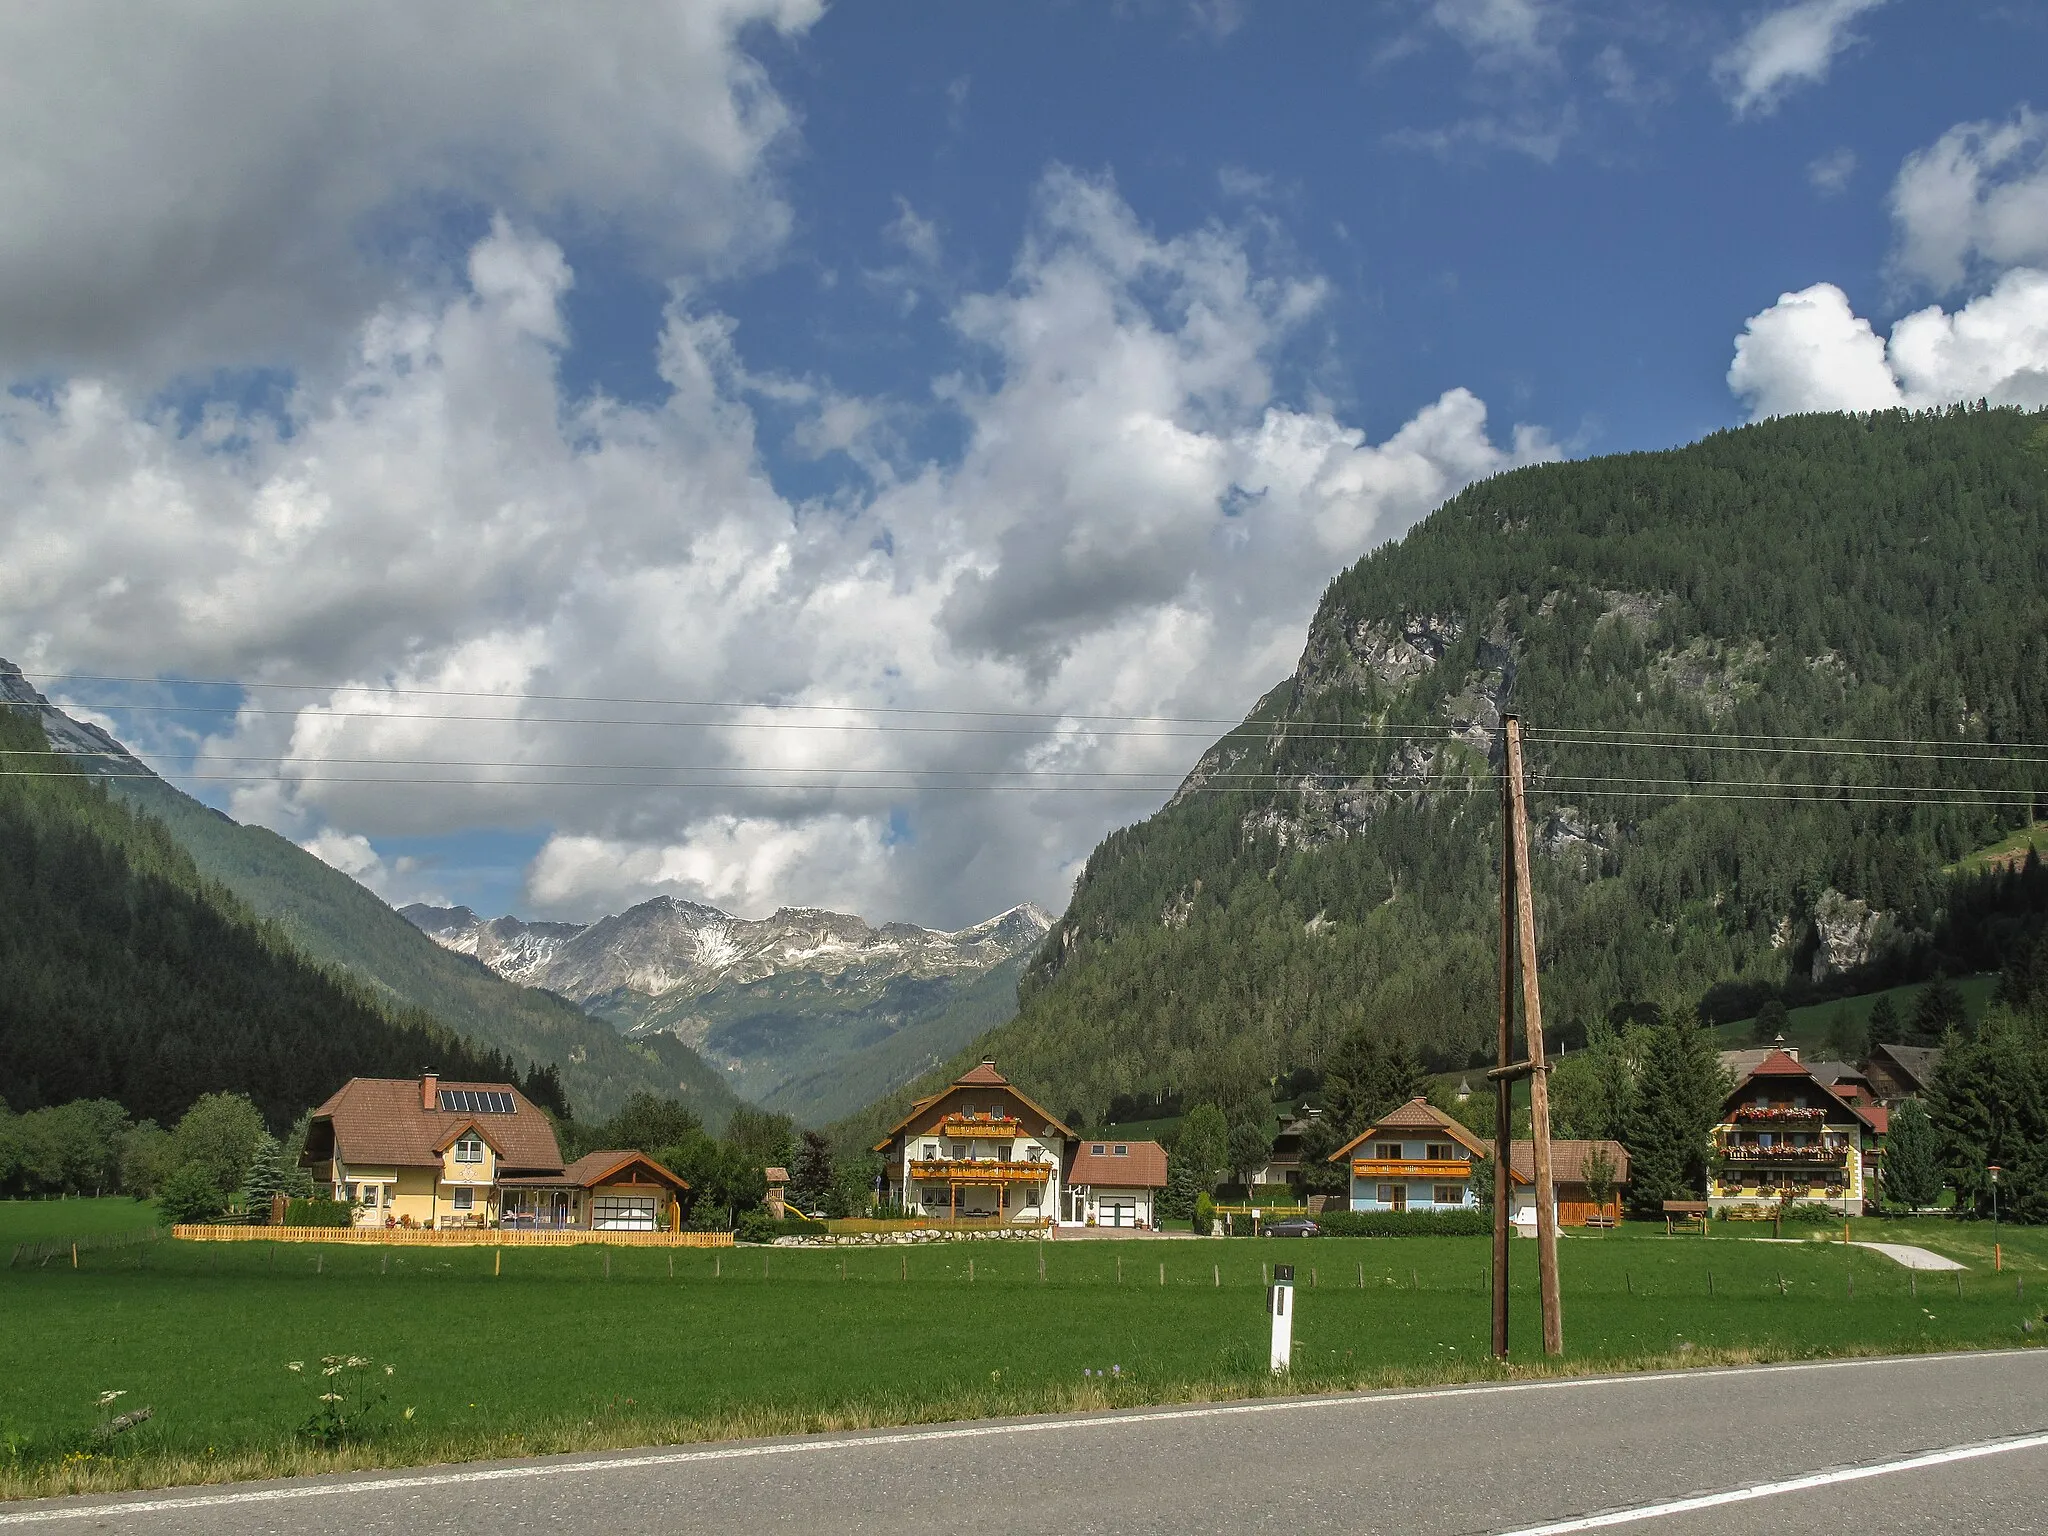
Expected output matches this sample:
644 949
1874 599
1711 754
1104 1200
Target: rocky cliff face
672 950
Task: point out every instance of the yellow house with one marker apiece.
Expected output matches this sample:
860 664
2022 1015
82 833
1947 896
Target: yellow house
418 1152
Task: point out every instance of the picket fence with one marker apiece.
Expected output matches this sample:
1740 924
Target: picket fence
457 1237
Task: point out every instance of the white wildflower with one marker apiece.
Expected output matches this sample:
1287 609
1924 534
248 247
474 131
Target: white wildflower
108 1397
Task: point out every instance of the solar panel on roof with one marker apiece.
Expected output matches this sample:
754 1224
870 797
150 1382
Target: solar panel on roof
475 1101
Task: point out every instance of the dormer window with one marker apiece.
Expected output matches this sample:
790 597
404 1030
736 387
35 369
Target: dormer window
469 1149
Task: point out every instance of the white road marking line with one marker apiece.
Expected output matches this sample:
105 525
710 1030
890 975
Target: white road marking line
1789 1485
609 1464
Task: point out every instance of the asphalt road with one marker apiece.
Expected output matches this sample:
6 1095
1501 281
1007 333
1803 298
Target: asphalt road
1952 1443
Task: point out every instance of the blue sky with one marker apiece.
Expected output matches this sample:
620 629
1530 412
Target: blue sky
955 358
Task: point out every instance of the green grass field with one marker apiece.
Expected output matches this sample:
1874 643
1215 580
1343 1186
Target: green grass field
28 1220
2013 842
1807 1027
554 1355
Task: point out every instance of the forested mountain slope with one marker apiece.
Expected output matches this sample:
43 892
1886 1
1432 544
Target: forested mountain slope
337 922
1869 582
129 976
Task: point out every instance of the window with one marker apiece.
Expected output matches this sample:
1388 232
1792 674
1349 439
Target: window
465 1199
370 1196
1003 1151
1097 1149
469 1150
967 1110
350 1193
1386 1194
954 1150
1123 1151
1388 1150
931 1149
1449 1194
1439 1152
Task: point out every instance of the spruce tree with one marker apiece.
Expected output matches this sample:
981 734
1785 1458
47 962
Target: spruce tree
1912 1158
1938 1010
266 1178
1676 1104
1885 1027
1368 1074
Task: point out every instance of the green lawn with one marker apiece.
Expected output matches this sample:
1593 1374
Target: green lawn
555 1355
34 1220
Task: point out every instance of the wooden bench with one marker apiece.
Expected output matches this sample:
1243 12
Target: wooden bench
1687 1211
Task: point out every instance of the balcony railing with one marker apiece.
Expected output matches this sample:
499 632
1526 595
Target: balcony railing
979 1170
1412 1167
1003 1128
1773 1114
1824 1156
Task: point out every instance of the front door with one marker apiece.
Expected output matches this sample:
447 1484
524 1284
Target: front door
1400 1197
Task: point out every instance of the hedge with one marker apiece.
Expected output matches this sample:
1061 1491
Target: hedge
319 1213
1465 1223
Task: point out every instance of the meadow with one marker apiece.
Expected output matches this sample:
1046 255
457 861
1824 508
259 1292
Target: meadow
562 1349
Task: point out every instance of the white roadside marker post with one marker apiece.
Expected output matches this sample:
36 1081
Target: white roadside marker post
1280 1302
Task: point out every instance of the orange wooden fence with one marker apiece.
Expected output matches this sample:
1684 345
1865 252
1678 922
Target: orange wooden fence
456 1237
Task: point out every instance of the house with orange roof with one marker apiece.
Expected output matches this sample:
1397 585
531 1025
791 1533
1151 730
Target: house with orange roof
1413 1158
979 1151
1786 1136
418 1152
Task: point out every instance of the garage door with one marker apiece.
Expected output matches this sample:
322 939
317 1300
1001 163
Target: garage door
622 1213
1117 1213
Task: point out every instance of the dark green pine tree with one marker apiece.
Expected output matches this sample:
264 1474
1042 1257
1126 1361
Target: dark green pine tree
1675 1109
1938 1010
1885 1025
1368 1074
1989 1106
1912 1158
811 1179
1771 1020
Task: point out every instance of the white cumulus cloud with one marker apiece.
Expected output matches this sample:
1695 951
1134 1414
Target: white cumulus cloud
1138 523
1785 48
1811 352
1976 198
193 183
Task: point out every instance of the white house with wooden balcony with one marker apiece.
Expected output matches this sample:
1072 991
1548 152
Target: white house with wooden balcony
1785 1137
1415 1158
981 1152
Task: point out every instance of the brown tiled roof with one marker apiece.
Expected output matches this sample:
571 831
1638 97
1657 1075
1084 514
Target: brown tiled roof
595 1168
1143 1166
1567 1161
380 1121
1919 1062
1780 1065
1417 1114
983 1076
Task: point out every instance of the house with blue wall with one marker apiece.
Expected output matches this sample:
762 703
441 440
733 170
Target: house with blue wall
1416 1158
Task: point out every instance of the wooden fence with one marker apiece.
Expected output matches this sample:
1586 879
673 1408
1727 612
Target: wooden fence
454 1237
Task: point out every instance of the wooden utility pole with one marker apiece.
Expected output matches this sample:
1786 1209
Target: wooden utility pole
1503 1084
1518 943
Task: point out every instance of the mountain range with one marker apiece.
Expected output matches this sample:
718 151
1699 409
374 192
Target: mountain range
806 1011
1773 682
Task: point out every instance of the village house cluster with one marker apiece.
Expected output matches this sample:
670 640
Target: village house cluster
421 1153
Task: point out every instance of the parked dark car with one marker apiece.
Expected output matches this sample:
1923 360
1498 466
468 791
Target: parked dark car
1293 1226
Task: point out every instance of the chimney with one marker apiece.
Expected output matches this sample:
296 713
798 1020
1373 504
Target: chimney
430 1085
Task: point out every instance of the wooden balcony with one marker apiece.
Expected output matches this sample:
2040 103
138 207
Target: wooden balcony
1745 1154
978 1170
960 1126
1417 1168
